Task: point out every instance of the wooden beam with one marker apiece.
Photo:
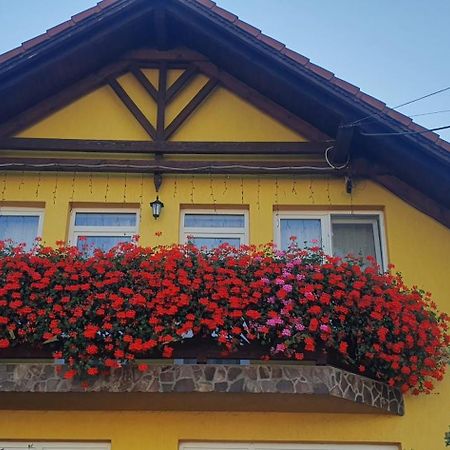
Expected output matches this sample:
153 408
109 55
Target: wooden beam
173 55
414 197
161 102
265 105
152 166
190 107
145 82
132 107
182 81
200 148
340 152
61 99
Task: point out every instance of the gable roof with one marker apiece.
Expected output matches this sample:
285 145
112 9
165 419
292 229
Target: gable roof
70 51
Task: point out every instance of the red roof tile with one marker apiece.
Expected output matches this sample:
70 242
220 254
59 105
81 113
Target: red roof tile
372 101
351 88
247 27
35 41
399 117
224 13
416 127
10 54
300 59
324 73
106 3
61 27
86 13
444 144
271 42
207 3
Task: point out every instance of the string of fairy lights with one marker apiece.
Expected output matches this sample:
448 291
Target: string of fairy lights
242 189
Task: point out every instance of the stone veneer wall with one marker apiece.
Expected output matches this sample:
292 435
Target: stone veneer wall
250 379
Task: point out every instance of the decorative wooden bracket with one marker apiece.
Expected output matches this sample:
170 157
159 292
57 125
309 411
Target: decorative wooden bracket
340 153
163 96
157 179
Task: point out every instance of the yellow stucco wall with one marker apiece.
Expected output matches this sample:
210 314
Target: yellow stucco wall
418 245
223 116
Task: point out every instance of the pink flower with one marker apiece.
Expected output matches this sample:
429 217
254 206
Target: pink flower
287 288
280 348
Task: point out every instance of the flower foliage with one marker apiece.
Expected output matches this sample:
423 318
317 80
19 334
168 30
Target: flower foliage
106 310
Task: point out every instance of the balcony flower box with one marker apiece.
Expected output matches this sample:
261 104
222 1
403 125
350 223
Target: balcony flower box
113 308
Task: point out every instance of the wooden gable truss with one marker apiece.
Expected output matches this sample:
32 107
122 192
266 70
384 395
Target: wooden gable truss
306 155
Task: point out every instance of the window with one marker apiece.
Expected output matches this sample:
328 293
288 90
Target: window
206 228
339 233
29 445
21 225
276 446
91 229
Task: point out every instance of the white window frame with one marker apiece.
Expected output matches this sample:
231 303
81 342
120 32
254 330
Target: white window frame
281 446
232 232
339 216
25 211
75 231
37 445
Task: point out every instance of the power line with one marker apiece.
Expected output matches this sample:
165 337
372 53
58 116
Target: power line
378 113
160 167
401 133
430 113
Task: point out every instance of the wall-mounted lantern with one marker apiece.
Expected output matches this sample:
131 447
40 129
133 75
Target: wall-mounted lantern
156 206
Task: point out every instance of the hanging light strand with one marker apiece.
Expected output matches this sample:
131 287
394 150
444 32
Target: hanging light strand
192 189
107 187
5 181
55 188
38 187
72 195
211 190
125 188
90 183
328 191
311 191
22 180
258 193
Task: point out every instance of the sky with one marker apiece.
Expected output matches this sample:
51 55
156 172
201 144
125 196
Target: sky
395 50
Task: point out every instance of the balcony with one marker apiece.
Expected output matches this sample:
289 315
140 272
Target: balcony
205 387
312 333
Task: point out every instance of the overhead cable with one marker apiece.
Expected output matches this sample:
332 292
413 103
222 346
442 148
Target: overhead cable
378 113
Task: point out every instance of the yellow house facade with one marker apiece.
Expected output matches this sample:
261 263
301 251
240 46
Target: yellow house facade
242 140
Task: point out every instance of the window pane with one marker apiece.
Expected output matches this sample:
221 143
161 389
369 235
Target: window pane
212 242
105 243
20 229
214 220
354 239
307 231
94 219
